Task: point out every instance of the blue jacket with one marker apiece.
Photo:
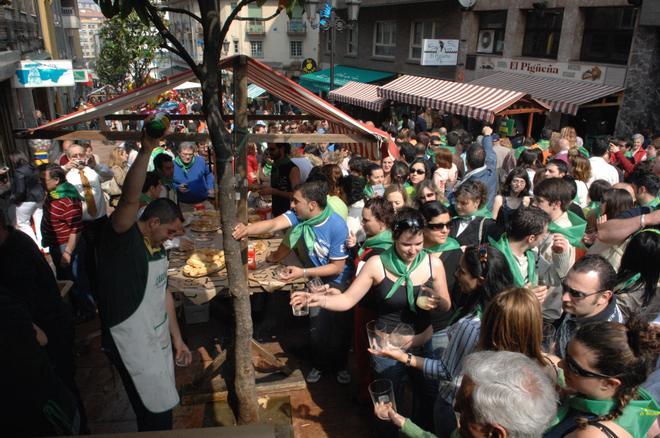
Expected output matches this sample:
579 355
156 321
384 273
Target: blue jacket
199 181
488 176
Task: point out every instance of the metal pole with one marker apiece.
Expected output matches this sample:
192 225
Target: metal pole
332 49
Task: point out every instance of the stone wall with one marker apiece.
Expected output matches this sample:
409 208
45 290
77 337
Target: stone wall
641 103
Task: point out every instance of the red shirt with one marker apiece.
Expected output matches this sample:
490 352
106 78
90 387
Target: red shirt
253 168
62 217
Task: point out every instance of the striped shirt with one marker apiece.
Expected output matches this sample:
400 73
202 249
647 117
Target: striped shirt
463 339
62 217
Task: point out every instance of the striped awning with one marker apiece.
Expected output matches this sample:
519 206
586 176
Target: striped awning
359 94
469 100
561 95
260 74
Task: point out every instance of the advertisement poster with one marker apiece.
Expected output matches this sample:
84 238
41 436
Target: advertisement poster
33 74
439 52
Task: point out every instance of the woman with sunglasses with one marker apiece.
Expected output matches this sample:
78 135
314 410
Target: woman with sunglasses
483 272
394 279
420 170
438 243
605 364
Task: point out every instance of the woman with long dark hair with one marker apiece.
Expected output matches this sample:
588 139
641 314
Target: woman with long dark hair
614 202
513 194
420 170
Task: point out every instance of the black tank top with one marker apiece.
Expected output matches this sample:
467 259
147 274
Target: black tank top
396 309
280 181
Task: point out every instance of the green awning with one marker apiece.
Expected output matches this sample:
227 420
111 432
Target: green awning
254 91
320 80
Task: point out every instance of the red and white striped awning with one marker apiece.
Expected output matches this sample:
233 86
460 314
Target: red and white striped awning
561 95
258 73
359 94
469 100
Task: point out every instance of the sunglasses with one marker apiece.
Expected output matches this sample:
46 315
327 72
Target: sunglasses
418 171
576 293
438 226
407 224
576 369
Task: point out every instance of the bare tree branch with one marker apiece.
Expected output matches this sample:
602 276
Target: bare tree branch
152 11
180 11
259 18
166 46
232 15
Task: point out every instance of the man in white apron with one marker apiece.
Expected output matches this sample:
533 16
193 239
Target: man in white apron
137 314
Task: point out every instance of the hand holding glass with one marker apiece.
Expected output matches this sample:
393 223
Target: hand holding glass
382 396
427 299
300 303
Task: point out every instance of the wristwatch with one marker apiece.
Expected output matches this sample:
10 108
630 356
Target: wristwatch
409 360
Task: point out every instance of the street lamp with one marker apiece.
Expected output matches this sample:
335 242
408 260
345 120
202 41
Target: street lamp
332 23
225 47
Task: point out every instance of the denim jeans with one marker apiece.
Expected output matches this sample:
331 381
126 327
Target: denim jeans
81 297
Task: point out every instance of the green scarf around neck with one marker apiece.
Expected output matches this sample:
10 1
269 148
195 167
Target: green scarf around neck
368 191
482 212
185 167
65 190
653 205
382 240
574 233
305 229
518 277
393 264
638 415
145 199
449 245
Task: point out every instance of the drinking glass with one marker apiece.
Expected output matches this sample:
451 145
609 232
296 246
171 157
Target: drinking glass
401 337
301 309
426 300
382 395
315 285
278 271
377 335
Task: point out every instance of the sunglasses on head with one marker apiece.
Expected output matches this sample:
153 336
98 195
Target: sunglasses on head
574 293
408 224
576 369
418 171
438 226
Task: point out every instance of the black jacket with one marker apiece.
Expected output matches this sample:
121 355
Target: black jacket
26 186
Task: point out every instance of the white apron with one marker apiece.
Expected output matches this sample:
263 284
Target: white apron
144 344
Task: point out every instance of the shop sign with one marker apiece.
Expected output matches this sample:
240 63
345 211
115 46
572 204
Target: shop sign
308 66
34 74
439 52
559 70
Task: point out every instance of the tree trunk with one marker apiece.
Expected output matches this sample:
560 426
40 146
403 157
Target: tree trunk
241 354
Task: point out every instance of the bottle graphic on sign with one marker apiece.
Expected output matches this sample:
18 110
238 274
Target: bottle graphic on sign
34 77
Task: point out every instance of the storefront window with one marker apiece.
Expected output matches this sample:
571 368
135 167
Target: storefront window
542 32
608 34
492 26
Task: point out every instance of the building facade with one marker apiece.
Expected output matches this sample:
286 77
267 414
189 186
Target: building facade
91 20
388 36
282 43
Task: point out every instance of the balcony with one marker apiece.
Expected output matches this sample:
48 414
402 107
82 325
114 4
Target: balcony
296 28
69 18
255 28
21 35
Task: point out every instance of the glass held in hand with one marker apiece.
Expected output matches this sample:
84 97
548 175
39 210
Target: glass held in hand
301 306
378 335
279 271
401 337
316 286
427 299
382 396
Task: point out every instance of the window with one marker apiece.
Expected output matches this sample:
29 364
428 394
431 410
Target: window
608 34
493 41
257 49
385 38
296 49
352 40
421 30
254 11
542 32
235 46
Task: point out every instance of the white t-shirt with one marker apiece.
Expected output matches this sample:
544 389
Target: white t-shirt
304 165
601 169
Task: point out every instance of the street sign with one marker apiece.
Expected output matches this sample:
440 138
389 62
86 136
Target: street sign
439 52
34 74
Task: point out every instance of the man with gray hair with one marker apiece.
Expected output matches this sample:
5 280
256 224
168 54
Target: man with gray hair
193 179
502 394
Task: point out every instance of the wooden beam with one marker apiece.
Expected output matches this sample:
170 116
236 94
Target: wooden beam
508 112
137 135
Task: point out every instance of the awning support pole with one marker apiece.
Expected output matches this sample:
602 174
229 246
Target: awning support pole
530 121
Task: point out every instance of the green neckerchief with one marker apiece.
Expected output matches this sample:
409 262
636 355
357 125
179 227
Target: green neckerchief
381 240
584 152
393 264
543 144
305 229
628 154
627 283
638 415
368 191
449 245
653 205
518 278
145 199
518 152
268 168
478 311
410 189
275 170
65 190
574 233
185 167
482 212
593 206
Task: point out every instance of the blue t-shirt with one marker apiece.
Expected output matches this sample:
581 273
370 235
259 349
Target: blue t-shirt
330 244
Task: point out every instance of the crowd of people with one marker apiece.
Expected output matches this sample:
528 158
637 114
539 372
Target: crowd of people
537 261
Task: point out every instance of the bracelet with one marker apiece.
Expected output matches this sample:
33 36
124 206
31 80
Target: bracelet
642 221
304 273
409 360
